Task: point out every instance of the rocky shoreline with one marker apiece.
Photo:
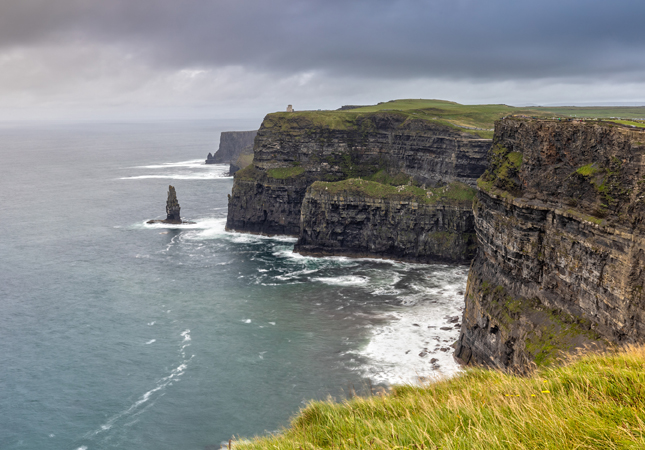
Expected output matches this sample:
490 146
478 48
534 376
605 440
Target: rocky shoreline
555 226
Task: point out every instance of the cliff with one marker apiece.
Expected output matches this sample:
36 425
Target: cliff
293 150
365 218
559 220
232 144
245 159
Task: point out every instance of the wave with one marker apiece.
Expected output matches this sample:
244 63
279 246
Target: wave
208 224
194 169
182 176
192 163
416 343
161 384
346 280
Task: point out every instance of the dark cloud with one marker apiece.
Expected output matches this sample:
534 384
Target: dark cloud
469 39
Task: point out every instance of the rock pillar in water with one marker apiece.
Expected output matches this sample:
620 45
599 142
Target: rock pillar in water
172 206
172 209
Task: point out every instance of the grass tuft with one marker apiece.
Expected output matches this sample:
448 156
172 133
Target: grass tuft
285 172
596 401
587 170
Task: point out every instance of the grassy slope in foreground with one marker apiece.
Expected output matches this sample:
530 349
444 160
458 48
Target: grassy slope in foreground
594 402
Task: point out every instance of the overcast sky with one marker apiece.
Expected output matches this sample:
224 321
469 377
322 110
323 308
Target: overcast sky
244 58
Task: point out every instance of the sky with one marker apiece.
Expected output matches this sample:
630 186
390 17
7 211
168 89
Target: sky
208 59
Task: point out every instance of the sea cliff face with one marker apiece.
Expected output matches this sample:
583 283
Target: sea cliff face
293 150
232 144
363 218
559 220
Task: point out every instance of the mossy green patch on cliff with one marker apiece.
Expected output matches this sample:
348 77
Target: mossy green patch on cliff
383 177
560 333
607 182
551 331
249 173
283 173
244 160
457 194
595 401
503 170
587 170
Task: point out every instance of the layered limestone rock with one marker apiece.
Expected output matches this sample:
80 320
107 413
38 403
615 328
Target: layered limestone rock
173 209
559 219
232 144
293 150
363 218
245 159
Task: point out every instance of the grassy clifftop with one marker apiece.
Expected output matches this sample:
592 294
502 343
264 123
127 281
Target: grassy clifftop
474 119
593 402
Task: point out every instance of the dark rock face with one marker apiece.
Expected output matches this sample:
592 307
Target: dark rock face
172 209
561 258
172 206
231 145
293 150
398 228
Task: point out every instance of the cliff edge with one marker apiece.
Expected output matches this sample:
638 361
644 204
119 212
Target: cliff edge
294 150
232 144
364 218
560 264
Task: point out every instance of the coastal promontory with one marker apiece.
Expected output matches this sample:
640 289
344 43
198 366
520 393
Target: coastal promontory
561 259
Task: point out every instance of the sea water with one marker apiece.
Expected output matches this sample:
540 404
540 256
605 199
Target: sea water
117 334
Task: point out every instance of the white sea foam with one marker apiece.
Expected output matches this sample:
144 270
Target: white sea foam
297 257
192 163
247 238
212 175
186 335
151 341
183 170
346 280
247 321
401 350
292 275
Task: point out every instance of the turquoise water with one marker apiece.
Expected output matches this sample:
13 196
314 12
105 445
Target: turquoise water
119 334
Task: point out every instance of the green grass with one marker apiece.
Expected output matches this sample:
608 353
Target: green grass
456 193
631 123
588 170
501 175
249 173
593 402
451 114
384 178
285 172
244 160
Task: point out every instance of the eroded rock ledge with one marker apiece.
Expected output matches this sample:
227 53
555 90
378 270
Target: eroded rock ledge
293 150
366 219
559 220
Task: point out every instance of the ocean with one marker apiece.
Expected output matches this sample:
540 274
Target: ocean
117 334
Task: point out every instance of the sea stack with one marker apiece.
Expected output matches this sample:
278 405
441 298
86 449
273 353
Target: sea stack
172 209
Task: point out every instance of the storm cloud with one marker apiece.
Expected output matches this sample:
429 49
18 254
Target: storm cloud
89 54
